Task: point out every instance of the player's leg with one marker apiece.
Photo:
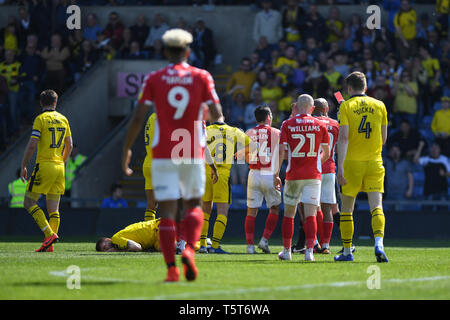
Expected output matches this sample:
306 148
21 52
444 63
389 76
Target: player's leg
52 202
255 199
319 236
30 204
328 222
291 197
220 226
179 228
347 227
378 224
273 201
301 241
310 199
206 208
249 227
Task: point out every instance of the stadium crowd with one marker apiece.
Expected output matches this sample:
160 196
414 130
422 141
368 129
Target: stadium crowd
296 50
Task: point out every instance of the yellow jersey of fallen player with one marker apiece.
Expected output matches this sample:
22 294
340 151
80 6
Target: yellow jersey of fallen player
50 128
148 138
146 233
223 141
364 116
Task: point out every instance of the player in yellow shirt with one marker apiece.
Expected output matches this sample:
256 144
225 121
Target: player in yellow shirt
150 212
140 236
222 141
362 133
52 137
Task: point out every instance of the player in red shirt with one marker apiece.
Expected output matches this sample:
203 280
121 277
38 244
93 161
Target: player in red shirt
328 191
306 141
178 93
260 178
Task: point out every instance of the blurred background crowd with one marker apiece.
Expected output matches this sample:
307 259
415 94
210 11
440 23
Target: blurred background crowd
296 50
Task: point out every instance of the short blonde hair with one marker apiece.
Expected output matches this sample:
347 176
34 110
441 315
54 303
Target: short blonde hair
177 38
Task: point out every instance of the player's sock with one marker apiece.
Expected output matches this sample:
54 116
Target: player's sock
167 240
39 216
54 221
205 229
319 220
347 229
219 229
250 229
192 226
271 223
327 232
378 223
287 231
150 215
310 231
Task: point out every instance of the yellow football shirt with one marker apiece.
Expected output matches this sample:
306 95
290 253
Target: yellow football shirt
148 138
407 23
51 128
223 141
145 233
364 116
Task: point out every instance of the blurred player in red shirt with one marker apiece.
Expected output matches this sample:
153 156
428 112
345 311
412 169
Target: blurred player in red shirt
177 93
260 178
328 191
306 141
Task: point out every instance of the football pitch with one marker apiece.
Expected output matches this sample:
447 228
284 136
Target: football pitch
417 270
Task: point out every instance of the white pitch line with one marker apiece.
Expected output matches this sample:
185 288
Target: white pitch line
188 295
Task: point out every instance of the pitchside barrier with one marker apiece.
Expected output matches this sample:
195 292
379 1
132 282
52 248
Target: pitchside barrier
97 222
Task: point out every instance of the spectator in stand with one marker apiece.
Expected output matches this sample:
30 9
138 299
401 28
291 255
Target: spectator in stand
432 86
41 14
434 45
442 10
9 39
115 200
340 64
59 12
314 25
3 114
423 29
313 49
244 78
405 21
33 68
135 52
156 31
334 78
125 46
114 30
55 57
316 84
256 62
140 30
285 64
356 26
203 45
437 170
86 59
356 54
285 103
268 24
75 42
271 91
407 138
92 30
237 115
392 6
405 91
261 80
293 15
263 49
25 27
249 115
157 52
441 126
334 25
399 176
10 69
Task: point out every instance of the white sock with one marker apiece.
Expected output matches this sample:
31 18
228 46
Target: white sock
316 242
326 246
347 251
379 241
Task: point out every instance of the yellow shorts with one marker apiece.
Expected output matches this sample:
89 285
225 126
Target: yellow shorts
147 170
219 192
363 176
47 178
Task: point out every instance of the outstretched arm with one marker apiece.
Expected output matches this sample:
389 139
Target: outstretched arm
29 151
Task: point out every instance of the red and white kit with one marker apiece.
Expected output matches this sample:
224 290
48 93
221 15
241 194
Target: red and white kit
303 136
328 192
178 92
262 167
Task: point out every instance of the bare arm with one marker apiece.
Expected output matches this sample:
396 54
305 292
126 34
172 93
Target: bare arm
133 246
215 111
409 192
136 123
384 133
279 161
326 152
342 146
29 151
68 146
418 152
209 160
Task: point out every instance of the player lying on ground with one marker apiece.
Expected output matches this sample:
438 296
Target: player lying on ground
362 133
260 178
52 137
303 137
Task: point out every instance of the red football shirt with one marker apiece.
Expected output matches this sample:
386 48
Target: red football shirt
266 139
303 136
178 92
333 131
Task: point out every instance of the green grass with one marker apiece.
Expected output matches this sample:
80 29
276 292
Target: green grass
417 270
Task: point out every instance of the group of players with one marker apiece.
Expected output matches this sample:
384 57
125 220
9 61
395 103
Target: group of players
183 189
